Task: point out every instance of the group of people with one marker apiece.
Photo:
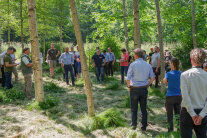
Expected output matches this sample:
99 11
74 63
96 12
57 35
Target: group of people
186 94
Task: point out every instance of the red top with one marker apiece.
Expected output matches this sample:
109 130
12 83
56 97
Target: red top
124 57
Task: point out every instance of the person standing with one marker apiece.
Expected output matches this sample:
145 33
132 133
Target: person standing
78 64
2 68
26 66
8 67
173 99
205 66
194 97
168 57
150 55
111 62
156 65
14 69
137 81
124 64
67 60
106 55
52 55
75 54
98 61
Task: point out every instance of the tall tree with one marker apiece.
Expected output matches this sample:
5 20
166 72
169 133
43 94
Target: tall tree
137 36
39 93
125 26
160 44
9 29
83 59
22 25
193 24
44 33
0 34
61 25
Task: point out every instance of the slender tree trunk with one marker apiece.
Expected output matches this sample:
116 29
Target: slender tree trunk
83 59
193 24
160 44
0 34
9 29
125 26
39 93
22 25
61 27
137 36
44 34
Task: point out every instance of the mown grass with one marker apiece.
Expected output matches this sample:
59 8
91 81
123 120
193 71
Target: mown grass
8 96
51 87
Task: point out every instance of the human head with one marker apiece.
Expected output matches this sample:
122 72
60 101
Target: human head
157 49
109 49
72 48
52 45
123 50
138 52
205 66
66 49
98 51
26 51
168 54
97 48
151 49
104 51
77 48
14 50
174 64
197 56
144 52
10 50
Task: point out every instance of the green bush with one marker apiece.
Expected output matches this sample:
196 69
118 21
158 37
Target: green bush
12 95
51 87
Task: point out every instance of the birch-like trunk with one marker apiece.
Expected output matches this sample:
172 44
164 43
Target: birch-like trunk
160 44
83 59
39 93
193 24
137 36
9 29
44 34
0 34
125 26
60 26
22 25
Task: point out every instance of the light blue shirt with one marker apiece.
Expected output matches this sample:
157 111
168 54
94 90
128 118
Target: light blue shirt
139 73
111 56
66 58
106 56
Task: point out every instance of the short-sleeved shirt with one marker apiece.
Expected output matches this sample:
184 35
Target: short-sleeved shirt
98 59
173 78
155 58
111 56
13 58
7 58
52 54
124 57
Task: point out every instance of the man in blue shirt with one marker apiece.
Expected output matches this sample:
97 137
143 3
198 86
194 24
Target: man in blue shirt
137 81
106 55
67 60
111 62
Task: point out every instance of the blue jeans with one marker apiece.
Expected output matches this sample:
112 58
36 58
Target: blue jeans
8 76
138 95
68 68
124 70
100 71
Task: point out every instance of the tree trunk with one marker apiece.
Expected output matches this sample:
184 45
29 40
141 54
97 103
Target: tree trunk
39 93
44 34
160 45
22 31
137 36
9 29
193 24
83 59
125 26
61 28
0 34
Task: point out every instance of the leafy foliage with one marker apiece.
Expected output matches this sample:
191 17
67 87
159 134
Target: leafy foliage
11 95
113 86
51 87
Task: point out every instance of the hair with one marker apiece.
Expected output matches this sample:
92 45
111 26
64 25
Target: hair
25 49
14 49
198 56
138 52
104 51
205 65
175 63
10 48
123 50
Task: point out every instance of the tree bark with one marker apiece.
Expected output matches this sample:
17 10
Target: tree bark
44 34
125 26
39 93
83 59
61 28
22 26
193 24
137 36
160 44
9 29
0 34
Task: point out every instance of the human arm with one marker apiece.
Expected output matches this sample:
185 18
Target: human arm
151 76
165 81
10 65
129 75
92 61
2 54
113 59
58 53
158 64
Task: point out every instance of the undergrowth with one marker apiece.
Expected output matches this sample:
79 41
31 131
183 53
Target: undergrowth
113 86
51 87
11 95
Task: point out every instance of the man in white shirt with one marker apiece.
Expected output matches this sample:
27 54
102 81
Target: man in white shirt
194 94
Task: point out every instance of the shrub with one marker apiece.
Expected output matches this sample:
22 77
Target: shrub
51 87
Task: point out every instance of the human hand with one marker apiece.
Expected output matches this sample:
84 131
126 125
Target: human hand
156 71
197 120
103 64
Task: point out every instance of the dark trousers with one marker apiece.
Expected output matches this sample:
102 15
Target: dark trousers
186 125
3 76
74 68
100 71
106 68
110 69
68 68
123 70
138 95
8 77
156 76
173 103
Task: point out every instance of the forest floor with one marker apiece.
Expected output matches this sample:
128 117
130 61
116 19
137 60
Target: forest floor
68 118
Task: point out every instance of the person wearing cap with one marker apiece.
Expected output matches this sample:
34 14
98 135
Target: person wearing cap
150 55
194 97
111 62
98 61
14 69
26 66
8 67
168 57
137 80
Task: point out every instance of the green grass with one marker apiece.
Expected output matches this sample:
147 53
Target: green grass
79 83
53 88
11 95
113 86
